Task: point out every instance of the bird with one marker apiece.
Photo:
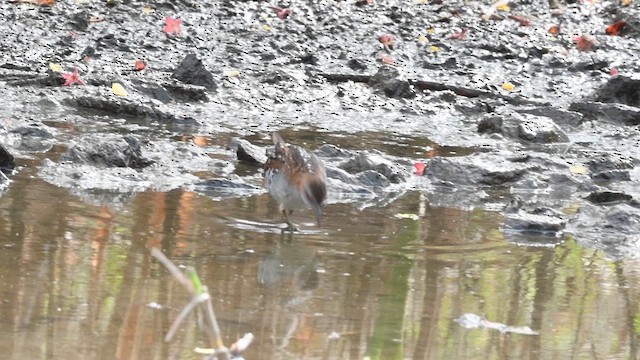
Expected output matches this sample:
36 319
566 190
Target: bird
296 179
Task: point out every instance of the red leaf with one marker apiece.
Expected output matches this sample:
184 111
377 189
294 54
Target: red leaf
420 168
72 78
521 19
615 28
173 26
140 65
386 39
585 42
281 13
614 72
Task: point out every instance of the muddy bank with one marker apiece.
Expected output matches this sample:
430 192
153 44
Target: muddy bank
545 132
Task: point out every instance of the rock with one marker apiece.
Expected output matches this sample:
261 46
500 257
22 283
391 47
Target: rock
107 151
357 64
522 221
328 150
219 189
485 168
33 131
192 71
247 152
387 80
608 197
608 112
610 166
6 159
527 127
621 90
559 116
374 161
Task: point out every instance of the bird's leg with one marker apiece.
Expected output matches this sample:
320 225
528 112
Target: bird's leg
290 226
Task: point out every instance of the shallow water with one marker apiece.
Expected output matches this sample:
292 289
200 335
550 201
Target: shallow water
77 280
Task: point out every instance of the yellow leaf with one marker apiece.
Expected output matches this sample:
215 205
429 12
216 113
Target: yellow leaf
55 67
627 2
421 1
266 27
147 10
407 216
204 351
508 86
118 89
422 39
434 48
578 169
231 73
431 30
502 5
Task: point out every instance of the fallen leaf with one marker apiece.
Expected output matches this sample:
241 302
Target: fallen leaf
585 42
386 39
55 67
72 78
615 28
139 65
281 13
614 72
459 34
554 30
386 59
434 48
508 86
420 168
266 27
627 2
231 73
118 89
147 10
521 19
423 39
502 5
578 169
46 2
407 216
173 26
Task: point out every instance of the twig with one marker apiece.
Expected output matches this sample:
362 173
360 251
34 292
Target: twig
200 296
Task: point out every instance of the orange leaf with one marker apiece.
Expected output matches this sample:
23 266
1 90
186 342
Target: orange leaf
139 65
615 28
554 30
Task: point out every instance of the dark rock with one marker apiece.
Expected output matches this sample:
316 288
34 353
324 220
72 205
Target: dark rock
225 188
527 127
80 21
387 80
620 89
247 152
559 116
183 92
357 64
33 131
374 161
6 159
192 71
608 197
487 169
372 178
328 150
610 166
522 221
608 112
107 151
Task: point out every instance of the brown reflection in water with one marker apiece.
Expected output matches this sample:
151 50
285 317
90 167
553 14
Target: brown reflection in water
75 280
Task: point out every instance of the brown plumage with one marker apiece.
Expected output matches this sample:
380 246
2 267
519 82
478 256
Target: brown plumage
296 178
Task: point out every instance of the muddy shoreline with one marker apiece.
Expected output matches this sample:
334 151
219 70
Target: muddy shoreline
541 131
